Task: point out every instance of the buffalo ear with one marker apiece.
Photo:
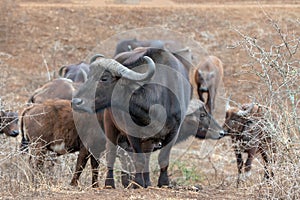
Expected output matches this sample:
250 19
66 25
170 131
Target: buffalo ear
2 113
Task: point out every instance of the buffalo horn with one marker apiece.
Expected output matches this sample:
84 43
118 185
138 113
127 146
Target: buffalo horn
84 75
112 65
132 75
95 57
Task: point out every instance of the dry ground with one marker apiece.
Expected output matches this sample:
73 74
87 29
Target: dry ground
37 37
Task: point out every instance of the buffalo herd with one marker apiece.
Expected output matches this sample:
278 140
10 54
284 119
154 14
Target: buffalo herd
143 101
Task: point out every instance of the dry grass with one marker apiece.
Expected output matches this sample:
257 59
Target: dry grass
29 46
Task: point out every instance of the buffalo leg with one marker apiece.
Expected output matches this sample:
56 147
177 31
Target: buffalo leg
139 160
240 162
163 159
125 179
37 157
110 159
210 101
266 159
248 163
82 159
111 147
95 171
147 149
127 164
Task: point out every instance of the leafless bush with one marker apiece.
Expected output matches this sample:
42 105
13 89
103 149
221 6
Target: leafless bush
277 67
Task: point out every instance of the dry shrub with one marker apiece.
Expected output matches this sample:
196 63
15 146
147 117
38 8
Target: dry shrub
277 67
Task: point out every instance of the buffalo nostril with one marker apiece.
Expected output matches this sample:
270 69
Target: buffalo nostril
77 101
222 133
203 89
225 133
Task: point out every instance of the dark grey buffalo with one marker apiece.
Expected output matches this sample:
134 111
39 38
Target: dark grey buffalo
197 123
75 72
147 93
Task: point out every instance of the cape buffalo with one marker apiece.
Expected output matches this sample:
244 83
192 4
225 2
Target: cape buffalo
75 72
197 122
200 123
49 126
63 88
249 134
60 88
146 106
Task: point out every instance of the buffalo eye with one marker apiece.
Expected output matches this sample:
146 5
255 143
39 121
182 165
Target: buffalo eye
105 78
202 115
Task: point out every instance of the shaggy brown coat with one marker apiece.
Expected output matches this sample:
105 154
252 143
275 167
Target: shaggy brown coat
49 126
249 134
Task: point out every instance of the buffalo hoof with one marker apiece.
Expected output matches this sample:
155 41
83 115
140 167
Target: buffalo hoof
163 180
125 178
138 181
74 183
147 179
109 184
95 185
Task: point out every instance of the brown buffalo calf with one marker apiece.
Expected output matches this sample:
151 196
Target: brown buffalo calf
60 88
208 76
249 134
49 126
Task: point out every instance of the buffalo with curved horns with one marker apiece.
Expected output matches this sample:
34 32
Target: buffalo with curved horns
75 72
197 122
153 111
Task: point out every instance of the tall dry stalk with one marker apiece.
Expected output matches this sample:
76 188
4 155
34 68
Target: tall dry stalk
277 66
